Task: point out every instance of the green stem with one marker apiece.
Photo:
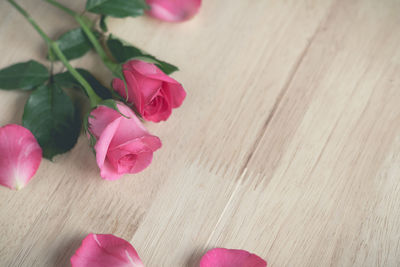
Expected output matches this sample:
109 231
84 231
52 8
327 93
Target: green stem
62 7
94 98
31 21
113 67
92 38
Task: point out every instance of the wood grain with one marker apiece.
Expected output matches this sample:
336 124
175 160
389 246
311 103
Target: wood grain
288 144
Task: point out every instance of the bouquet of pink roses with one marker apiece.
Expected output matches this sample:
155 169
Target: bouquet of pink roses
141 90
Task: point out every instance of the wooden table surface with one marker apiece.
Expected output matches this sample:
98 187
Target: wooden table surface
288 144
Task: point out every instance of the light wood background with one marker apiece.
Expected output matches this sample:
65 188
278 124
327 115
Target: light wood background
288 144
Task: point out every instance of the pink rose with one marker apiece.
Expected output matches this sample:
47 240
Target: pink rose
123 145
20 156
173 10
222 257
105 251
153 93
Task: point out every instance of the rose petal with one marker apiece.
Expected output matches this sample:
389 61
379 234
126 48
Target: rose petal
20 156
103 143
108 172
135 95
173 10
99 119
119 86
99 250
178 94
128 162
221 257
129 128
148 87
143 160
143 148
150 70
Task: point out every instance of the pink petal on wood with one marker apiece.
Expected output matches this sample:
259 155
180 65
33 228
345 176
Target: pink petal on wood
105 250
222 257
20 156
173 10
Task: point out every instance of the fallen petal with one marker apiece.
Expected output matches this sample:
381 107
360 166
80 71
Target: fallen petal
20 156
173 11
98 250
222 257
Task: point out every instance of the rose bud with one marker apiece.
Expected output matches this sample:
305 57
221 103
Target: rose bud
123 145
99 250
173 10
20 156
153 93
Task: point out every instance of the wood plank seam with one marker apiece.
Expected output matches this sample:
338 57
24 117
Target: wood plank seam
281 95
243 169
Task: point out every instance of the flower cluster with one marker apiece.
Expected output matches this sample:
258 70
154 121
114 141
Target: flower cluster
142 90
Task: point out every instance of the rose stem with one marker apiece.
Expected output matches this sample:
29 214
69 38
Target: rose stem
113 67
94 98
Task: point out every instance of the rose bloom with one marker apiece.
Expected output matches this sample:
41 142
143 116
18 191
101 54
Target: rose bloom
123 145
173 10
153 93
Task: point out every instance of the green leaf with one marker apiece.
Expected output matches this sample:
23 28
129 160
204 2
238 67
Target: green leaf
123 52
66 80
53 119
25 76
74 44
117 8
86 125
103 23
